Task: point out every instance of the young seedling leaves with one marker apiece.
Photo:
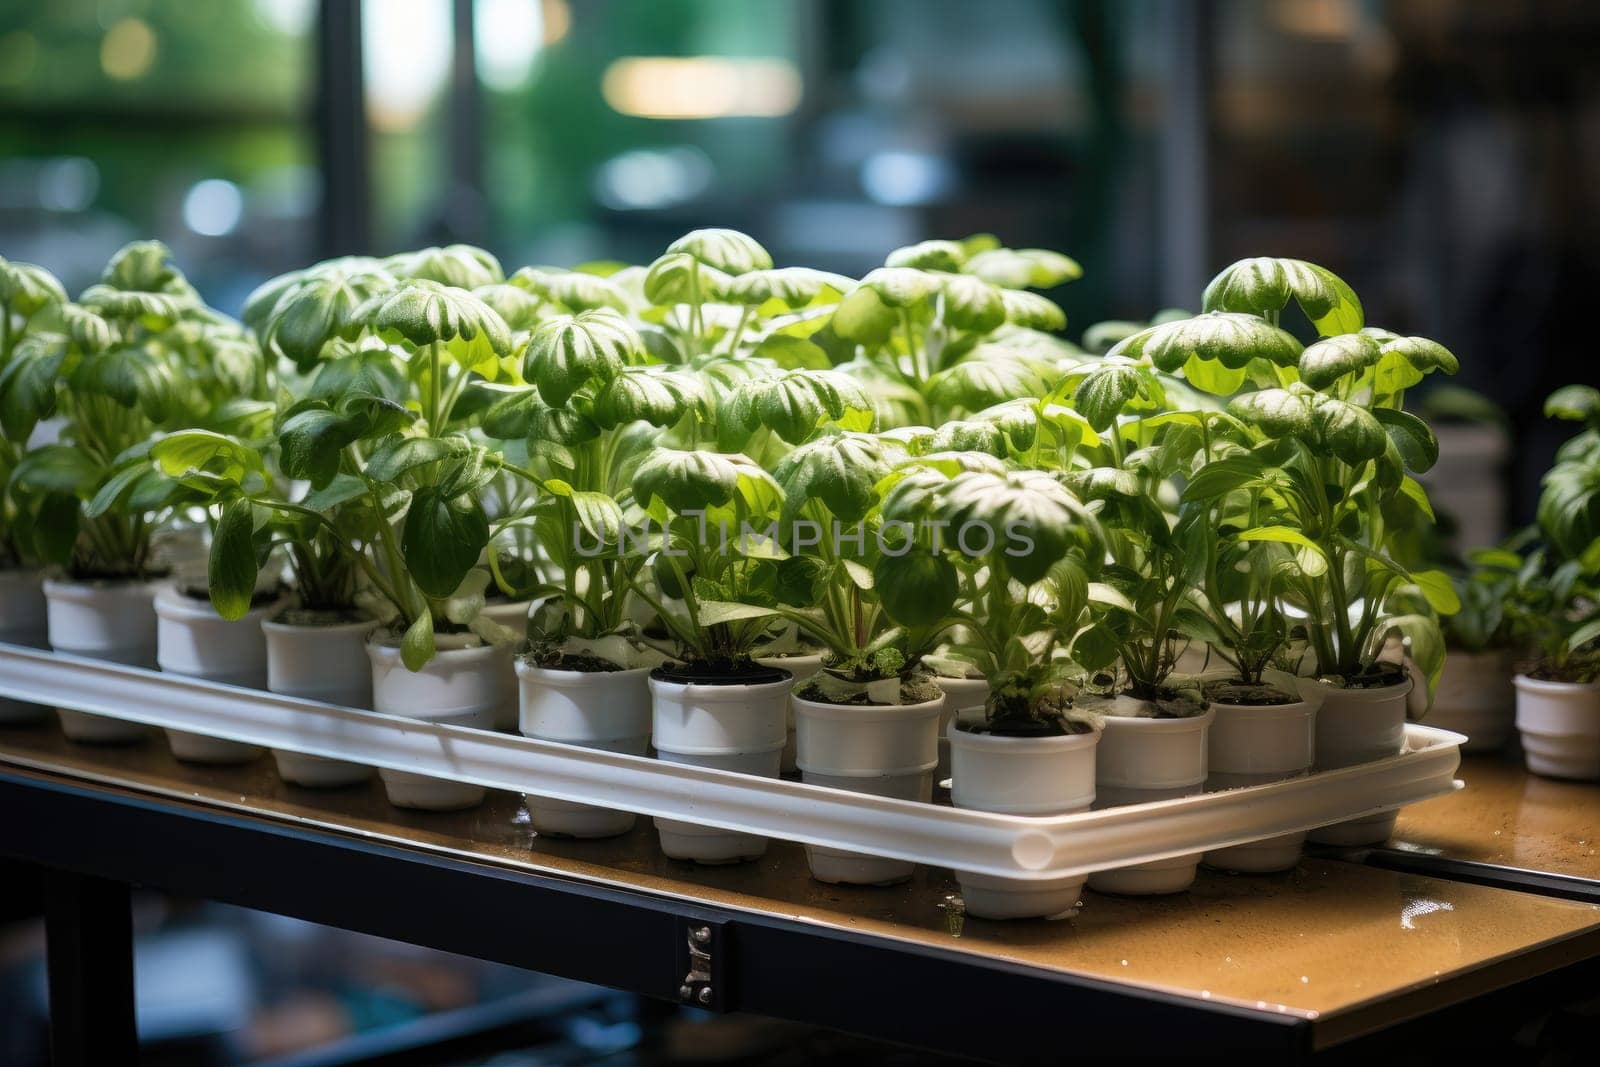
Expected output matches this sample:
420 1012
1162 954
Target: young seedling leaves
570 351
1264 286
234 563
461 266
728 251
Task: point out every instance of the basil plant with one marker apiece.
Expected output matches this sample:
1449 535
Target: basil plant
138 353
1002 558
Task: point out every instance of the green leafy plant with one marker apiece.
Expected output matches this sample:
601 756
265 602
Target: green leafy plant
137 355
1006 556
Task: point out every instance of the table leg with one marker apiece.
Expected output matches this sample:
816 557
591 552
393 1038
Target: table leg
89 927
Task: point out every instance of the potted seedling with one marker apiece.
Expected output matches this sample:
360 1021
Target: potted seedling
715 706
1558 602
1007 554
869 720
588 416
1342 447
121 366
437 659
30 299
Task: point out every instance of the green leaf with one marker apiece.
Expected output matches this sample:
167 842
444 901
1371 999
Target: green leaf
1412 438
1234 340
679 278
1578 403
840 470
929 255
863 318
689 480
1439 591
423 313
716 612
795 405
399 455
568 352
1222 476
645 394
573 290
458 265
234 565
201 450
519 307
792 353
57 469
1348 431
793 287
1333 358
972 304
312 441
442 539
1107 389
1032 310
28 384
312 313
416 647
1309 555
1265 285
1278 412
917 588
1024 268
25 288
991 375
727 250
900 287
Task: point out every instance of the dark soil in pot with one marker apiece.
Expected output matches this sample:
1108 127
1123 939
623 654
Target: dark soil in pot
913 692
725 672
319 617
583 662
1250 695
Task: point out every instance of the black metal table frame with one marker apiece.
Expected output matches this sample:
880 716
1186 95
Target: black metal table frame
723 959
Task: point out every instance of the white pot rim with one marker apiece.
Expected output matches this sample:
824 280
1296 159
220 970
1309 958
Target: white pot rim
560 679
1145 724
704 693
1368 696
273 626
1528 684
1301 708
82 592
171 604
818 709
1062 742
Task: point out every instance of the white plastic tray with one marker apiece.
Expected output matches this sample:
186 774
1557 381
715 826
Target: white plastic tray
1002 845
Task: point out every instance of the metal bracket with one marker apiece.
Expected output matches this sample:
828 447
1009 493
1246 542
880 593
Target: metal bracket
702 963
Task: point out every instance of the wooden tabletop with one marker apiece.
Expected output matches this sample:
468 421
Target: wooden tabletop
1351 947
1511 818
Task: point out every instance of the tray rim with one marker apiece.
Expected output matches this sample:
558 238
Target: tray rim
1030 848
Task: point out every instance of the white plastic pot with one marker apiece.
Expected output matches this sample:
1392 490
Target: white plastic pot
512 614
326 663
194 641
1252 745
1560 726
1021 776
965 701
113 621
883 749
1359 726
728 727
460 687
1140 760
1475 697
802 667
608 710
22 622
